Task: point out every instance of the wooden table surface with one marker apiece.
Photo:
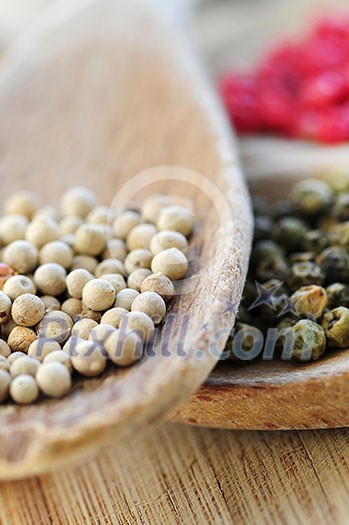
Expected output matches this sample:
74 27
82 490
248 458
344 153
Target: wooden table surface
186 475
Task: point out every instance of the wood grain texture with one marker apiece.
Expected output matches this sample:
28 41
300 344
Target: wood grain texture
183 475
97 103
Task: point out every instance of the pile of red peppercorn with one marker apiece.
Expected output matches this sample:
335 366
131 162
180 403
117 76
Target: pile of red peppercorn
300 89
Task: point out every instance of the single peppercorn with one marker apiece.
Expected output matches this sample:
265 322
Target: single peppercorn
151 304
53 379
289 232
304 341
98 294
18 285
24 389
310 301
315 241
304 274
27 310
311 196
334 262
338 295
336 326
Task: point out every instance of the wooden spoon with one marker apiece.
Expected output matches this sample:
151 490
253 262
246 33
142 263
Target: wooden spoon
273 394
99 92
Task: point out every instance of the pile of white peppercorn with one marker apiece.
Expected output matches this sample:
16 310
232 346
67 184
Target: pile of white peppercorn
81 287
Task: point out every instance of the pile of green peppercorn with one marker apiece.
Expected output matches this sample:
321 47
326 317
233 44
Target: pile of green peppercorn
301 256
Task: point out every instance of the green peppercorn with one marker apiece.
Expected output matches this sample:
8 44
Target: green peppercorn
304 341
264 249
334 262
310 301
304 274
286 322
338 295
336 326
301 257
315 241
244 340
262 227
311 196
338 182
271 267
289 232
341 207
339 235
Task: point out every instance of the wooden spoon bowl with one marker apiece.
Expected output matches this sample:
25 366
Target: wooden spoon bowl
273 394
95 98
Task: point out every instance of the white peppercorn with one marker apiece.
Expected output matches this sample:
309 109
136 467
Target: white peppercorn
5 380
116 280
124 347
101 333
90 239
55 325
21 338
151 304
139 258
125 222
4 348
56 252
76 280
84 262
136 278
42 347
152 206
22 203
5 308
15 355
27 310
87 313
24 365
140 236
58 356
176 218
54 379
82 328
113 316
99 215
21 255
78 201
109 266
12 228
18 285
160 284
140 323
24 390
167 239
172 263
99 295
125 298
89 358
72 307
50 302
50 279
115 249
69 224
41 231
